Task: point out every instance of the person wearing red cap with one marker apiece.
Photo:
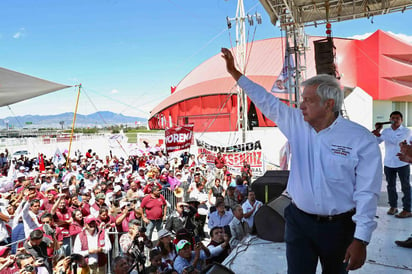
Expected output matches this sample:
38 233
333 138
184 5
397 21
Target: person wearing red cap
93 244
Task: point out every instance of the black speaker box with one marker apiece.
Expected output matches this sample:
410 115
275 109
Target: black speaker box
269 224
325 56
270 185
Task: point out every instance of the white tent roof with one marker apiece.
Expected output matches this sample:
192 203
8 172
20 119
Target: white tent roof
16 87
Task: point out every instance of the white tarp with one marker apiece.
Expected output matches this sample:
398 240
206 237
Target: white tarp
16 87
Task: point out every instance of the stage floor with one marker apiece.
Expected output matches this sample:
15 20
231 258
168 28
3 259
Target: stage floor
255 255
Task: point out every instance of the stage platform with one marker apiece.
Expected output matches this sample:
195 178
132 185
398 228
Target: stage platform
255 255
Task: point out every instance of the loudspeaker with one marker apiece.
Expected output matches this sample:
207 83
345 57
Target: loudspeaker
325 56
269 224
270 185
279 204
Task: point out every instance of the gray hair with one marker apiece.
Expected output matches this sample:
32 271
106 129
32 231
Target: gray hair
328 87
133 223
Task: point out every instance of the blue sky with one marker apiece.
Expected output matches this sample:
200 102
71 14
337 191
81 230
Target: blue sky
127 53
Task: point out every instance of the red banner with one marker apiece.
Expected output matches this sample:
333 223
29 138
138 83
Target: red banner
178 138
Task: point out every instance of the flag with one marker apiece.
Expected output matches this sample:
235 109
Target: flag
58 158
281 84
11 174
41 163
178 138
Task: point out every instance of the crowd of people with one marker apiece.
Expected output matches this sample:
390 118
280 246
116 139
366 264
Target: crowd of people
69 218
75 217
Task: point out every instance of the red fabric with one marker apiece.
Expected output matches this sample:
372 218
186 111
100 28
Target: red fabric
220 162
124 227
64 216
75 228
85 209
142 162
41 163
110 220
153 206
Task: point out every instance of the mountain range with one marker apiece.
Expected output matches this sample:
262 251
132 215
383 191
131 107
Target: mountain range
97 119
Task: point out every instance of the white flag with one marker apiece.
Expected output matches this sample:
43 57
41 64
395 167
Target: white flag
281 84
58 157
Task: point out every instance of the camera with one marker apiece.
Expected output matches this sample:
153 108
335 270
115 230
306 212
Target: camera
136 250
189 269
29 268
75 257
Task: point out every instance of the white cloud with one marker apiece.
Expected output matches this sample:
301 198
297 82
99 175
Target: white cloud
19 34
114 91
361 36
406 38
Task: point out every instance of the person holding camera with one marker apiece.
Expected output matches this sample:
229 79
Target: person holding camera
37 246
181 217
27 265
128 213
126 239
186 258
77 261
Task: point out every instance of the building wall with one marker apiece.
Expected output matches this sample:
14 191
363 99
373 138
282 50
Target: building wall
359 107
381 111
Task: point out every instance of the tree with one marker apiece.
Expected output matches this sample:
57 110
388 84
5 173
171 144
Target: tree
61 123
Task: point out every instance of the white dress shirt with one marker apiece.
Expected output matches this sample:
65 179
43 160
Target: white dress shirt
247 207
392 138
332 171
215 219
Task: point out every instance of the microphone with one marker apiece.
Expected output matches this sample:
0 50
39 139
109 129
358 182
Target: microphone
385 123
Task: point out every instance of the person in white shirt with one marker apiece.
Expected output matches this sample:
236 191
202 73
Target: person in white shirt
250 207
93 244
30 216
335 175
392 137
160 160
220 217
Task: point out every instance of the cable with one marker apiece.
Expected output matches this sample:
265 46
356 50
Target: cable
104 121
15 117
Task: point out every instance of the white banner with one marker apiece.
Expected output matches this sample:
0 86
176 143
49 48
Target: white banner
235 155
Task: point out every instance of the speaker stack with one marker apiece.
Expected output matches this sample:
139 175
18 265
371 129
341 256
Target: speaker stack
270 185
325 56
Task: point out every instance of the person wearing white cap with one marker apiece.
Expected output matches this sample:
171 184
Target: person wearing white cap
166 246
186 257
